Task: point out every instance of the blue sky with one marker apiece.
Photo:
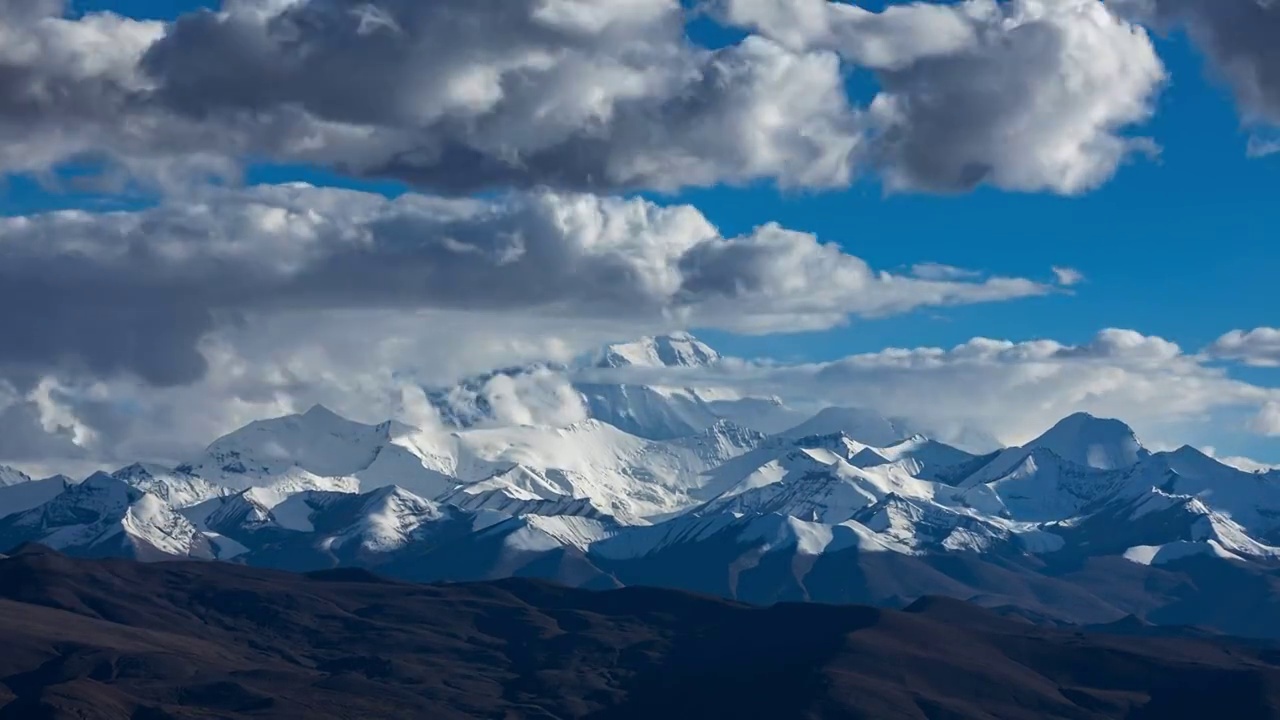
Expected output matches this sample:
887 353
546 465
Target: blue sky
1180 246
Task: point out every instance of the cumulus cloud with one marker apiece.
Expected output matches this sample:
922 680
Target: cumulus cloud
537 396
1025 95
1239 39
1240 463
892 38
456 95
1011 390
1267 421
1068 276
370 365
72 89
1259 347
136 291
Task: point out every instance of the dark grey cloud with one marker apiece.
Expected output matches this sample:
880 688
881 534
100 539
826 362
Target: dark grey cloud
135 291
455 95
1241 38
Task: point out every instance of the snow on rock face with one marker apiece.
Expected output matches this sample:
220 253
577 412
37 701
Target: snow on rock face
387 520
675 350
1174 551
103 515
624 476
1092 442
538 533
12 476
654 411
179 490
1249 499
1037 485
846 478
318 441
922 524
764 532
319 450
650 412
150 520
930 457
816 484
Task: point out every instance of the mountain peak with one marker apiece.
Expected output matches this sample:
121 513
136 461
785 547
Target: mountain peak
319 412
864 426
1101 443
12 476
102 479
674 350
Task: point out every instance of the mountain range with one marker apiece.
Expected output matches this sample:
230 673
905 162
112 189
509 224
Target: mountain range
697 489
106 639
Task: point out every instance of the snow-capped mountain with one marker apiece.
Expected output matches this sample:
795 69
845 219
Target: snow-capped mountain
103 516
621 475
1083 523
318 529
178 489
675 350
12 476
319 450
920 456
24 493
605 392
1087 441
865 426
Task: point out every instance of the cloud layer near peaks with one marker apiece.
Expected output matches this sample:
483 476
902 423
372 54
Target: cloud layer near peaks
369 366
1010 390
136 291
1024 95
1259 347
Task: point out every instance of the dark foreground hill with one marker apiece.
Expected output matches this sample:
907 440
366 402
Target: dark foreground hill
116 639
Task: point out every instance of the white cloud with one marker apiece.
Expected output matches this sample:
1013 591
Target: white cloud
1025 95
369 365
1068 277
890 39
1259 347
1011 390
1267 421
136 291
521 93
939 271
1237 462
1028 95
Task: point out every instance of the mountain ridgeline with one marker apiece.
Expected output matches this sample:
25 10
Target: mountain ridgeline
700 489
108 639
